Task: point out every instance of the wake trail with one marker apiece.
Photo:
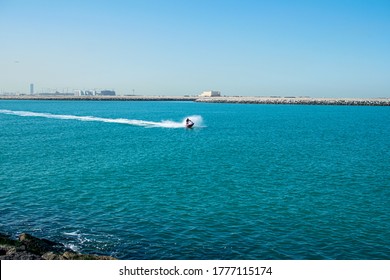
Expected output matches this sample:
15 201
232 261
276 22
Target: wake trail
165 123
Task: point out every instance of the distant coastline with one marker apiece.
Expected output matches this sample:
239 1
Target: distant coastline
226 99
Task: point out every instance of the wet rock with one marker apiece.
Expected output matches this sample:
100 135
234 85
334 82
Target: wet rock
75 256
21 256
39 246
6 240
52 256
29 247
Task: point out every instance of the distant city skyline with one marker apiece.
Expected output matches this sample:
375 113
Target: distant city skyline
150 47
79 91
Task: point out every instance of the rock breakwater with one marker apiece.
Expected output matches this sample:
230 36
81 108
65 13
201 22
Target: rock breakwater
28 247
224 99
299 101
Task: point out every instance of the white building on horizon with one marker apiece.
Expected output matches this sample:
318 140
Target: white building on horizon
80 92
210 93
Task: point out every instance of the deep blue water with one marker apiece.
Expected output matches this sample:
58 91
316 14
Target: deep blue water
247 182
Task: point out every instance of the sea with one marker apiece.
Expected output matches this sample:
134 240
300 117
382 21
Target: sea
127 179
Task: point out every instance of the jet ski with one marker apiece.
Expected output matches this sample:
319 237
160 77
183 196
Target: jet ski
189 123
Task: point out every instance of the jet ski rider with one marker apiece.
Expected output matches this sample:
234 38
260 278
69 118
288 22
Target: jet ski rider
189 122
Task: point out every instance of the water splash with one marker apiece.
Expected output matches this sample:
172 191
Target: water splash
198 120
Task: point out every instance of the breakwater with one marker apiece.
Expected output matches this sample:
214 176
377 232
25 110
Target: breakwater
225 99
299 101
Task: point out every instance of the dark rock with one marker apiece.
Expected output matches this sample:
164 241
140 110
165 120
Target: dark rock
75 256
21 248
39 246
6 240
52 256
21 256
29 247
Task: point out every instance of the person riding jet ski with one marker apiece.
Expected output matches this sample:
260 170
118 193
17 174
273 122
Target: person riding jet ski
189 123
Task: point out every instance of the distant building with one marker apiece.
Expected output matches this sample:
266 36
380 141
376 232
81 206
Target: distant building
210 93
78 92
93 92
31 88
107 92
90 92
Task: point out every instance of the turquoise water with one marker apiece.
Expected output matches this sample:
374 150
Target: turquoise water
247 182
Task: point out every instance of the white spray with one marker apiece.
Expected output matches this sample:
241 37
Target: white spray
165 123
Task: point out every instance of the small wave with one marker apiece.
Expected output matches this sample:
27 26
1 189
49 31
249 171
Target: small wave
73 233
72 247
165 123
75 240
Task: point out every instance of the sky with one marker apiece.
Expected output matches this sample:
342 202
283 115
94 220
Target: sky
333 48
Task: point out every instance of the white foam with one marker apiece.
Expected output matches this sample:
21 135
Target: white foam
73 233
72 247
165 123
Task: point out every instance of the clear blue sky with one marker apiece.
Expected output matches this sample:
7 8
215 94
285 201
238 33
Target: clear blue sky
163 47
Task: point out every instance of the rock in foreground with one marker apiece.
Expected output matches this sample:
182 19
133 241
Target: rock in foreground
28 247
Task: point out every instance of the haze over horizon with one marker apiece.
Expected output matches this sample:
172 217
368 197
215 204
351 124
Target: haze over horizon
250 48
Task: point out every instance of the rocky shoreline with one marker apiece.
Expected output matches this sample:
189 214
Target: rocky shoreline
298 101
28 247
225 99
